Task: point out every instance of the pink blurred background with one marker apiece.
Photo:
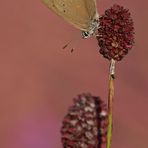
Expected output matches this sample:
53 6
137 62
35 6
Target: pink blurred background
38 79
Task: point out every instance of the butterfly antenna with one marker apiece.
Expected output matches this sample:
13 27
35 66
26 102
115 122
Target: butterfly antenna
72 49
65 46
74 42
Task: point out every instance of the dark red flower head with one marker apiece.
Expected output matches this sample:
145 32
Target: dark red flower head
85 125
115 33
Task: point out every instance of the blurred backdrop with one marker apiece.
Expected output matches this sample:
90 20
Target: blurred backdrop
38 79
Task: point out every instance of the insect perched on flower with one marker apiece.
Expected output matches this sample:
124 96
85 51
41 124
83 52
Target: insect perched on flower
82 14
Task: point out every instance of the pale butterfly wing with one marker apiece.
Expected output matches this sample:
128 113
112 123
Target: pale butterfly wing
79 13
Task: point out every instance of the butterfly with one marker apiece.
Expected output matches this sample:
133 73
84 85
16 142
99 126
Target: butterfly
82 14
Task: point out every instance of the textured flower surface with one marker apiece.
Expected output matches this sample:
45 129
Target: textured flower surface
115 33
85 125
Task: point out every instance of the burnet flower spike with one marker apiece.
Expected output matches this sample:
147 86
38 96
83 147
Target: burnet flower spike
85 124
115 39
115 33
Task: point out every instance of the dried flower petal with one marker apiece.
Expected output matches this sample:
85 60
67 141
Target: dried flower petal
116 33
85 125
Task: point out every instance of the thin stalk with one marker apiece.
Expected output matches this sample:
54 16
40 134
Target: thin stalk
110 102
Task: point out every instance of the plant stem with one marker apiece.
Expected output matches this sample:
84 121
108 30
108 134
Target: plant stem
110 102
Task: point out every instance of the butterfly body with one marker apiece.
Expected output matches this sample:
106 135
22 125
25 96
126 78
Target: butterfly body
82 14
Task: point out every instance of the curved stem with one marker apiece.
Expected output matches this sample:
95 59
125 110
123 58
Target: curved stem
110 102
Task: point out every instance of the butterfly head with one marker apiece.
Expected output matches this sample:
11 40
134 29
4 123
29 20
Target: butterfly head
92 29
85 34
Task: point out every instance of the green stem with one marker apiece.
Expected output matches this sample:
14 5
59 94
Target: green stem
110 103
